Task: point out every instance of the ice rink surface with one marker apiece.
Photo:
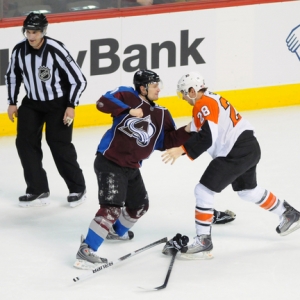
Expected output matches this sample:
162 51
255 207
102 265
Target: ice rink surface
251 261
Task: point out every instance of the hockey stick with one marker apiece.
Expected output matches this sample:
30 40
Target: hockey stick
112 263
167 276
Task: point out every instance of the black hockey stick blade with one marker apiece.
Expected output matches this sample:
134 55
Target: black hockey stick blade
112 263
167 276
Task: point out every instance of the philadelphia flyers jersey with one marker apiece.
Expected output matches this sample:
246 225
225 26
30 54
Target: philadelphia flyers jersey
130 140
218 125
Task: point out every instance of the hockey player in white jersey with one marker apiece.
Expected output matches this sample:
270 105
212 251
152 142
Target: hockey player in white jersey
230 140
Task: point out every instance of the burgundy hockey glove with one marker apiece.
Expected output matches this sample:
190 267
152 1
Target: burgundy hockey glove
177 243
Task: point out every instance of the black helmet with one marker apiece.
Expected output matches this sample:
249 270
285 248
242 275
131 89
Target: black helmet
143 77
35 21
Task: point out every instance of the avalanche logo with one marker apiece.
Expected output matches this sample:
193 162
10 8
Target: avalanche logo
44 73
139 128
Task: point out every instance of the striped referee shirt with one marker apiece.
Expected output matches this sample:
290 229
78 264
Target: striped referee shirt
48 73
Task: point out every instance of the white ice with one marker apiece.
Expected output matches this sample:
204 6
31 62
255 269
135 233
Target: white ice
251 261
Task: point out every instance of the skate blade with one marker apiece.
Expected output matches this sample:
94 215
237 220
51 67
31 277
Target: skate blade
292 229
119 238
76 203
85 265
35 203
197 256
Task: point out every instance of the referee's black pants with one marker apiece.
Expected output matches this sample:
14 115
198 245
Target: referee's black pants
32 115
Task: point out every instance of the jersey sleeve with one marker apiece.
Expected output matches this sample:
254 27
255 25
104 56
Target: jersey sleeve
113 101
74 74
199 142
170 136
13 78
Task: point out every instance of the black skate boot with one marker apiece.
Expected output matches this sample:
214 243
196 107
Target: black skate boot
76 199
31 200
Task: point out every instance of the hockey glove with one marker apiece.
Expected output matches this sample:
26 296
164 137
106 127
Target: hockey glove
177 243
221 217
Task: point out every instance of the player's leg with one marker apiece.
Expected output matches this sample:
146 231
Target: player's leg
289 218
221 172
112 186
204 214
247 188
136 205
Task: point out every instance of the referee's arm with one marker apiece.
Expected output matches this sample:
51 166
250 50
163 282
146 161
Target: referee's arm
13 79
76 78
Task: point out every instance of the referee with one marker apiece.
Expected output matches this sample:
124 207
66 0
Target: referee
54 83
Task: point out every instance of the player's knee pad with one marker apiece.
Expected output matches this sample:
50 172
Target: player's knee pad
253 195
136 213
107 216
128 218
204 196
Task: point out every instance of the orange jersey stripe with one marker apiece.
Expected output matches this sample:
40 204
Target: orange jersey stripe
203 217
271 200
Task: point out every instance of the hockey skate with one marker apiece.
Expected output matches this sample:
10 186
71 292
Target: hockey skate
289 221
112 235
76 199
86 259
200 248
31 200
221 217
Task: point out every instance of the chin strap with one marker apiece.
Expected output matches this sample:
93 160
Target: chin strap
193 99
151 102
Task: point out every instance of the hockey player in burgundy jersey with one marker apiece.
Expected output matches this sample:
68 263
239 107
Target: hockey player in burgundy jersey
230 140
139 127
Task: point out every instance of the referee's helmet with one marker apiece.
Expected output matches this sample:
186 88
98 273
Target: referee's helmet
35 21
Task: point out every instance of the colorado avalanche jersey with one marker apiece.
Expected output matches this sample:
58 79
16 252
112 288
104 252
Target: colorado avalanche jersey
130 140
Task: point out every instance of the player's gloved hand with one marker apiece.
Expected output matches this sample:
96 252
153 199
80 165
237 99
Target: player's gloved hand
177 243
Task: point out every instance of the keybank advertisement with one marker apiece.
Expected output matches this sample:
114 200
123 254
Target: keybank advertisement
234 48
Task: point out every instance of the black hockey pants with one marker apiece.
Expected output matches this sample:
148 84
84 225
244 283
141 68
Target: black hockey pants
32 115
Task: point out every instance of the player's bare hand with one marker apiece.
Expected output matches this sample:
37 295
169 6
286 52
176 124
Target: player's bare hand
12 111
69 116
136 112
172 154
